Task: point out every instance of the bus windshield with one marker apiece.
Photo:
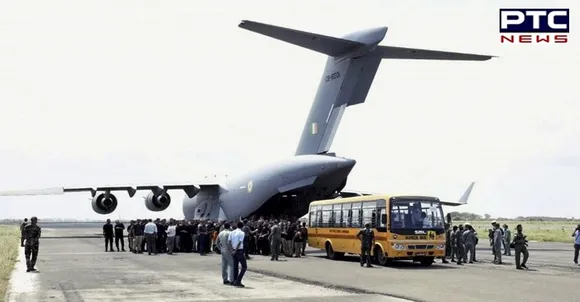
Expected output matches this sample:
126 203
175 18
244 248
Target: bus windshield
420 214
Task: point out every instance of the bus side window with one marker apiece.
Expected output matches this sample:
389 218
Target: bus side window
374 219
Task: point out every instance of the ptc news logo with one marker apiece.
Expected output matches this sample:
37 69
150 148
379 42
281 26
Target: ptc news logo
534 25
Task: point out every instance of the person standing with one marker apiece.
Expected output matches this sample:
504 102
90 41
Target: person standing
150 235
576 236
22 226
108 235
297 241
367 241
32 233
454 248
507 239
119 228
170 241
469 240
137 231
236 239
275 239
497 240
521 247
460 244
304 232
130 236
226 252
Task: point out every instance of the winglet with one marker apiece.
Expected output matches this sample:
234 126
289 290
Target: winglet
462 200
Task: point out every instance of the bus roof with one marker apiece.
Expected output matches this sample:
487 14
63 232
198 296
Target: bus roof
372 197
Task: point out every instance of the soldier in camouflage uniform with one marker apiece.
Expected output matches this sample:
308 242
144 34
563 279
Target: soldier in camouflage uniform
367 238
32 235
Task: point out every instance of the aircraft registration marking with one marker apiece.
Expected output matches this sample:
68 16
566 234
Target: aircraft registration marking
332 76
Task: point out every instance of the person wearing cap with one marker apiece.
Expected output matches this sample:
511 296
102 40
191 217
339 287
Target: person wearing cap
367 238
32 234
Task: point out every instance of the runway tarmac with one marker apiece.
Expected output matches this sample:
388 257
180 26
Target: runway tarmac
78 269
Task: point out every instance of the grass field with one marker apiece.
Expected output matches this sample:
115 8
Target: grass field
9 243
542 231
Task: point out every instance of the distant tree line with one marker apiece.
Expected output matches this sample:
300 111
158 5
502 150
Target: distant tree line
466 216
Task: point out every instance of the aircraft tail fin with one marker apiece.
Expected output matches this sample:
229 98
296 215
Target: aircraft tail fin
330 46
353 61
462 200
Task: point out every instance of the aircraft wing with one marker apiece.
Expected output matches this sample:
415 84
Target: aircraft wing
190 189
392 52
462 200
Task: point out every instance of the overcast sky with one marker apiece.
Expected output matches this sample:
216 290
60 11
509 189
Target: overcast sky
127 92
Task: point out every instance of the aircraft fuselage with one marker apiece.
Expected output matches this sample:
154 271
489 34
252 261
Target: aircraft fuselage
304 178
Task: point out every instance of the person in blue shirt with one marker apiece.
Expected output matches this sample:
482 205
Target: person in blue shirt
576 236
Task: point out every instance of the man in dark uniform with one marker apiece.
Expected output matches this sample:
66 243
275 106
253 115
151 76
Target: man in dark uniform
460 244
22 226
521 246
201 238
108 234
32 236
367 238
119 227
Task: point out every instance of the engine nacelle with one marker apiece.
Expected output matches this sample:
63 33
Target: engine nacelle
104 203
157 202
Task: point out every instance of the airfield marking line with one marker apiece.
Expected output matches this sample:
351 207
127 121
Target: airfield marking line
21 282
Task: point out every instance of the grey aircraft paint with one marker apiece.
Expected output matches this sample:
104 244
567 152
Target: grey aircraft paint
286 187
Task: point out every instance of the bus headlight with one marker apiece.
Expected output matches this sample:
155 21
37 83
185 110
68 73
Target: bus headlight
398 247
441 246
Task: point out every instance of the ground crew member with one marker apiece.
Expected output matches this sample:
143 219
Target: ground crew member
108 235
32 234
22 226
226 251
455 249
497 240
448 246
304 232
469 240
119 228
275 239
367 241
460 244
521 246
507 239
150 231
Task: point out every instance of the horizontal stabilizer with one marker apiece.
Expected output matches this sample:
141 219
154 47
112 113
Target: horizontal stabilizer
462 200
323 44
403 53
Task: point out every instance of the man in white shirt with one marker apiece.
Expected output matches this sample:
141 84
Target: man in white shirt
150 235
170 241
226 251
236 239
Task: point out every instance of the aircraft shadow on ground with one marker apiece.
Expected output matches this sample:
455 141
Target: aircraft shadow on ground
406 264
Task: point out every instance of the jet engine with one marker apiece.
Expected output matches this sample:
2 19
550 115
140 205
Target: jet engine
104 203
157 202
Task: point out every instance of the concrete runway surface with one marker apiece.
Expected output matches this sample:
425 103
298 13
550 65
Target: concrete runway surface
72 266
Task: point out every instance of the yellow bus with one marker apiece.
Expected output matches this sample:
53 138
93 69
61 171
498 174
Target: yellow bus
406 227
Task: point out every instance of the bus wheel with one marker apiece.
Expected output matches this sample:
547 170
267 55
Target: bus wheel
426 261
380 257
330 254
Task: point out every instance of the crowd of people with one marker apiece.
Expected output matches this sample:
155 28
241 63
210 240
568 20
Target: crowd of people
462 240
261 237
